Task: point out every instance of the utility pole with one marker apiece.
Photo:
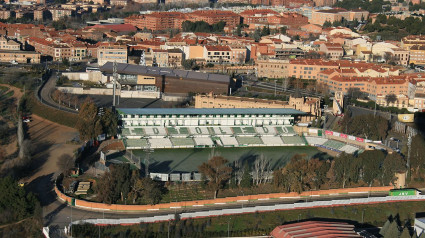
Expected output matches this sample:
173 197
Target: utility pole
275 88
409 148
115 77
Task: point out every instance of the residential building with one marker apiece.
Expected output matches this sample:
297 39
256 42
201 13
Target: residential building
59 13
121 3
417 54
272 68
217 54
333 50
309 68
164 58
24 57
111 53
6 44
5 14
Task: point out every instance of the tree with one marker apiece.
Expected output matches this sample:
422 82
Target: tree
115 185
393 231
405 233
327 24
392 164
216 171
283 30
417 152
390 98
371 161
109 122
65 163
87 124
246 180
148 190
262 169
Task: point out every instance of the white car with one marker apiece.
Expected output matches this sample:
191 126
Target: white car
27 120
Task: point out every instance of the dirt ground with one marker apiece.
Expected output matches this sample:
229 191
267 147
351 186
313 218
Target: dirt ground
49 141
13 145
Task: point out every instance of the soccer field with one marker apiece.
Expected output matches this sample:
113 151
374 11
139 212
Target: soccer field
188 160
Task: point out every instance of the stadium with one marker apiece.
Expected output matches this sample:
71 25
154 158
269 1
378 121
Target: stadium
156 128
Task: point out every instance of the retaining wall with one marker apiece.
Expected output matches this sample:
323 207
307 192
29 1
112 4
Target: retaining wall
120 207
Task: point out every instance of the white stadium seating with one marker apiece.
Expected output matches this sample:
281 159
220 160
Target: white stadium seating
315 140
228 141
272 140
160 143
203 141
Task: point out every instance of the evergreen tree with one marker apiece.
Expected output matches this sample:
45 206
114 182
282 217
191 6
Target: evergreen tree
385 228
405 233
393 231
246 180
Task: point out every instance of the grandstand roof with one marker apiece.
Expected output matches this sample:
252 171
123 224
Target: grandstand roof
209 111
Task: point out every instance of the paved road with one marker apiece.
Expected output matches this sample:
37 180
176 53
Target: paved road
58 213
46 91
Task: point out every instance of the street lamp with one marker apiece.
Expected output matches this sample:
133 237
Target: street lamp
228 227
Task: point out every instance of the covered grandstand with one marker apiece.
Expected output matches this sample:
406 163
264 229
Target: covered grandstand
190 127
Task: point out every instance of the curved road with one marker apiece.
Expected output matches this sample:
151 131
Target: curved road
44 94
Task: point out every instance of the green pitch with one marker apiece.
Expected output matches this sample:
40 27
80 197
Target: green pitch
188 160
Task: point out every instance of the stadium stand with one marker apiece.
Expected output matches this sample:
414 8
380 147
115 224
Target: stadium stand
160 143
333 144
285 130
135 143
125 132
315 140
349 149
203 141
182 142
266 130
138 131
248 140
199 130
228 141
272 140
293 140
155 131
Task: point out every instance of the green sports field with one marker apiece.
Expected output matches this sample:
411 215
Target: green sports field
188 160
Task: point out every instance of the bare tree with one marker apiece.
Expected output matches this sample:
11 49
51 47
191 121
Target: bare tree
239 173
262 169
217 172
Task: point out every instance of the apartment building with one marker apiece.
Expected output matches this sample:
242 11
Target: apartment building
164 58
5 14
57 51
333 50
217 54
59 13
272 68
112 53
319 17
309 68
417 54
6 44
398 85
173 20
412 40
23 57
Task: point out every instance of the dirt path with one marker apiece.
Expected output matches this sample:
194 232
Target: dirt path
12 147
49 141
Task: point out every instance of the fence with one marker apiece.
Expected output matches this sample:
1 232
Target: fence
120 207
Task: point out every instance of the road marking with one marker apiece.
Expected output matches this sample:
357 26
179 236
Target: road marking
198 205
358 192
242 201
175 207
153 209
263 198
220 203
289 197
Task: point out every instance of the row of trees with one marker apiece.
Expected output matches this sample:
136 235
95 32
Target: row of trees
368 168
370 6
369 126
91 122
412 25
122 185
